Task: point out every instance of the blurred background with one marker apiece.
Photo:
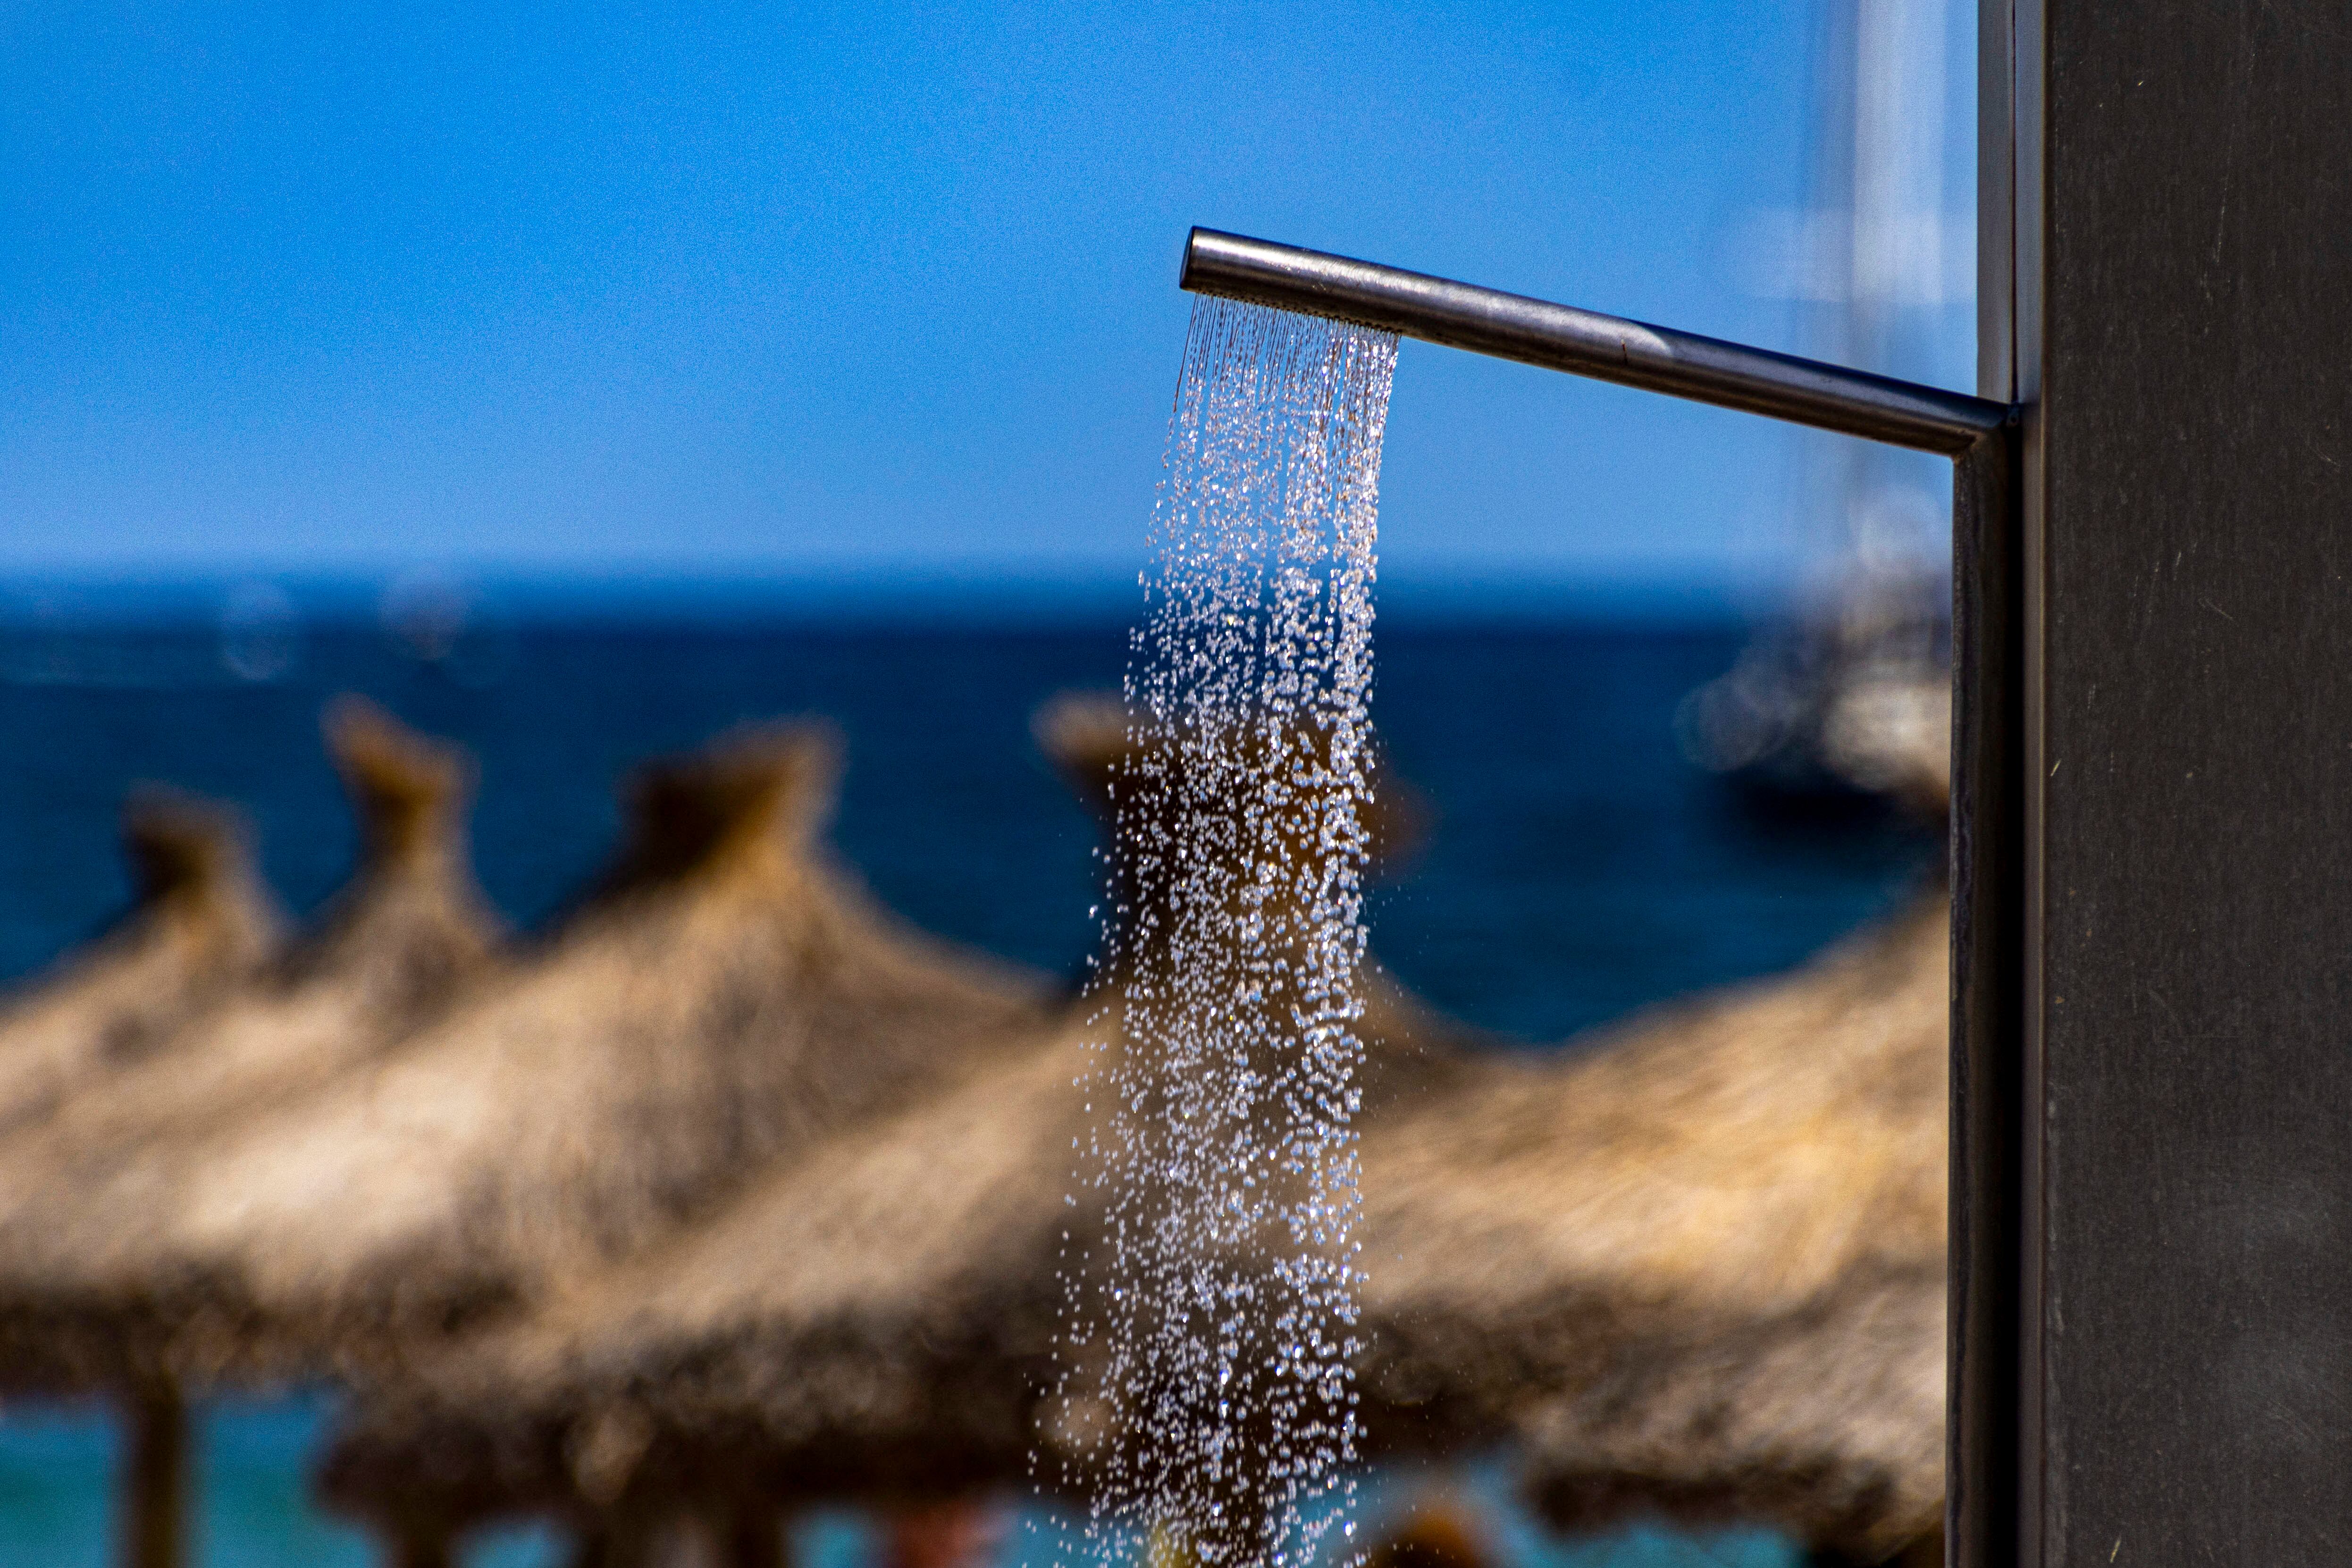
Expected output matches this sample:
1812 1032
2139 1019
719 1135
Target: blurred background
577 382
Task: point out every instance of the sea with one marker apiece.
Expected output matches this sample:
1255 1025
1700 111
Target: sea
1577 867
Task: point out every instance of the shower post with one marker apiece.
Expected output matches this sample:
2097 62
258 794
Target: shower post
2162 290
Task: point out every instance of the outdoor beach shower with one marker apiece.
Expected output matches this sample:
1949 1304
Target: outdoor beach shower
1983 438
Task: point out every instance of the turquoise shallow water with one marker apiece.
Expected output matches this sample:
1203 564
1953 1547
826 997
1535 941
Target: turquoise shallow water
1477 1492
56 1466
55 1509
1577 867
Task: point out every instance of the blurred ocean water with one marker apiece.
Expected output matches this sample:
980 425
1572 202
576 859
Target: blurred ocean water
1577 867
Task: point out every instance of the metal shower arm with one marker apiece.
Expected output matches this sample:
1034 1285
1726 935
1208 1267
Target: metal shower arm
1985 442
1585 343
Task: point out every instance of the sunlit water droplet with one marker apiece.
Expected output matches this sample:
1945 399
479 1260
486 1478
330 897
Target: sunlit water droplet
1216 1303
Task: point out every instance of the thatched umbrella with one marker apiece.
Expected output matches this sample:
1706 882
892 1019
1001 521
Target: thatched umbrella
720 995
876 1321
1698 1265
1696 1261
391 950
200 925
873 1318
388 951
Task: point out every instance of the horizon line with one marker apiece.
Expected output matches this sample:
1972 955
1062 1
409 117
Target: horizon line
934 595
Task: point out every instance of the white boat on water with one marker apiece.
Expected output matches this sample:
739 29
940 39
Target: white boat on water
1846 700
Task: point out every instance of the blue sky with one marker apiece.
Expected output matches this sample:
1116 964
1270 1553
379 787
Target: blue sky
624 295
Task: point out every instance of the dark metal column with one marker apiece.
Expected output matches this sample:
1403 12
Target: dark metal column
2179 314
1993 1432
1987 939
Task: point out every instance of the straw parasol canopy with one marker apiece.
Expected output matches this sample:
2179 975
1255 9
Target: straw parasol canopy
250 1018
200 925
403 938
1698 1266
721 994
875 1317
1694 1264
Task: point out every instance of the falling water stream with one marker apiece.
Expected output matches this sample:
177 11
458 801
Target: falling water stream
1209 1328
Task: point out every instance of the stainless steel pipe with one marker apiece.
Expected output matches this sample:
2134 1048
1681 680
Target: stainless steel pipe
1586 343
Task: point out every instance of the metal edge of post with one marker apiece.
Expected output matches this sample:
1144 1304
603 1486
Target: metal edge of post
1587 343
1983 1322
2028 1456
1995 1464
